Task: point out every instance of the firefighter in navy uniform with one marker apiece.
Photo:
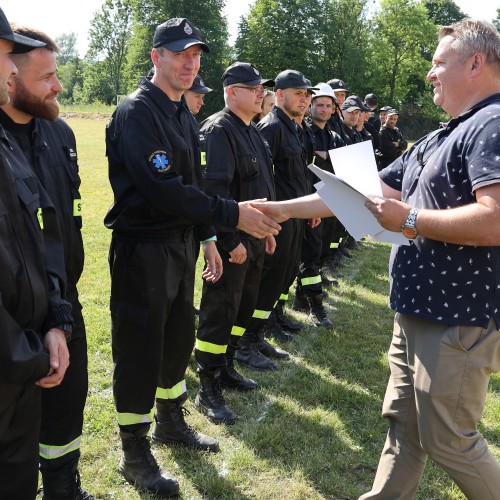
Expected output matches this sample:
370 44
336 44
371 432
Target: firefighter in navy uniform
238 167
154 169
31 119
34 319
289 158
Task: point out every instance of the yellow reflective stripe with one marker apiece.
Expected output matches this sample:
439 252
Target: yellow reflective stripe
50 452
312 280
39 216
77 208
237 331
261 314
283 296
203 346
340 240
172 393
135 418
334 245
314 160
203 158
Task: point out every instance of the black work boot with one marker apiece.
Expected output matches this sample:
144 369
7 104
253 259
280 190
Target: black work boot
300 301
231 379
283 320
171 428
327 280
63 483
140 468
273 330
249 356
318 314
268 350
210 401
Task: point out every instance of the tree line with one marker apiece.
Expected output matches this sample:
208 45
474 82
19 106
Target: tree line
385 50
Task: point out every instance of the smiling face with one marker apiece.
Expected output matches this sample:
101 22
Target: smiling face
175 71
35 89
450 77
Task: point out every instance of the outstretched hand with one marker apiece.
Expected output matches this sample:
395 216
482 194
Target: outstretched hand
255 222
273 209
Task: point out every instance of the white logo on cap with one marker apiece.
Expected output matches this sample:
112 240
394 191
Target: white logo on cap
256 72
341 83
187 29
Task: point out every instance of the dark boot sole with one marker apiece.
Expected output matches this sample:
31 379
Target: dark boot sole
174 493
218 421
182 444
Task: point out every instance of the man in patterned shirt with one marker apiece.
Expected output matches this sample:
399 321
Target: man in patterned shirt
444 194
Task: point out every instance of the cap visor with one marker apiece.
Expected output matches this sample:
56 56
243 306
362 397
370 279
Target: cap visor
24 44
351 109
184 43
201 90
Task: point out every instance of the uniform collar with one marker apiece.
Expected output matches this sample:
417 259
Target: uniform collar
164 102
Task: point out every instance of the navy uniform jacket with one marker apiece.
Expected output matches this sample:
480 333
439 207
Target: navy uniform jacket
32 279
289 154
155 170
239 166
52 154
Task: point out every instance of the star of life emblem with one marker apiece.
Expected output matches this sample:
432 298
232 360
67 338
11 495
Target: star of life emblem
187 29
159 161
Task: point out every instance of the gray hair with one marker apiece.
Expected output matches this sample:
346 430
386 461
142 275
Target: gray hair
472 36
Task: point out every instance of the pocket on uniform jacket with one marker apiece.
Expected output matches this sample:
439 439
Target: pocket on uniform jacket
247 167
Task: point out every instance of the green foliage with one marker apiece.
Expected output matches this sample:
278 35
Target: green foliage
444 12
403 33
496 21
109 40
320 38
67 44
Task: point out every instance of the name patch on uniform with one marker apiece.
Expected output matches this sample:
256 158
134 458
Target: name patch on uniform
77 208
159 161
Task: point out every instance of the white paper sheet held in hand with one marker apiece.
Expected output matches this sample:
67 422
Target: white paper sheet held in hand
346 199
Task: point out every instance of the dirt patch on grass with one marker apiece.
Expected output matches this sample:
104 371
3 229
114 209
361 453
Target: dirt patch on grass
89 116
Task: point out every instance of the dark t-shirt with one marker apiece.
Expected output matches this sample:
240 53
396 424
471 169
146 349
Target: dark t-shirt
454 284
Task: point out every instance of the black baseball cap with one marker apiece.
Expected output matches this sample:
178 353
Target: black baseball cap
337 85
371 98
353 102
291 79
385 108
242 72
21 43
177 34
392 111
199 86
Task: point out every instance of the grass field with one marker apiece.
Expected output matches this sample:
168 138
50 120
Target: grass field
312 431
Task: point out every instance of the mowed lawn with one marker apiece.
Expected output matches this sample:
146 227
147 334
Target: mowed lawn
314 428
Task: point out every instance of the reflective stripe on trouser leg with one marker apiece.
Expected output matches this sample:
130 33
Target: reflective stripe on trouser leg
283 296
51 452
173 392
312 280
203 346
134 418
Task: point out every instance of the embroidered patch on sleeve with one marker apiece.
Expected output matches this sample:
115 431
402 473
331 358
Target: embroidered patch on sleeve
159 161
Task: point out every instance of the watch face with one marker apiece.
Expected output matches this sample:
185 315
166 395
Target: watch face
409 232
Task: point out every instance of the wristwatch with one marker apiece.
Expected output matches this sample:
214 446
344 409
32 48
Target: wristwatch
408 228
67 328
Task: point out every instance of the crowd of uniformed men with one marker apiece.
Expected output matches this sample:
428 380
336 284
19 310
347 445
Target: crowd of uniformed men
178 188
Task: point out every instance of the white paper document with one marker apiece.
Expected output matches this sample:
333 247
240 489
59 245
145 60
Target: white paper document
348 205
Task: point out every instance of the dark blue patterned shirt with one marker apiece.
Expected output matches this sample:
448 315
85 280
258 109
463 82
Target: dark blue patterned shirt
453 284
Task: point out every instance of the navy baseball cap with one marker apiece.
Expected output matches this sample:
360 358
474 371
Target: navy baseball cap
392 111
351 103
372 98
177 34
199 86
242 72
291 79
385 108
21 43
337 85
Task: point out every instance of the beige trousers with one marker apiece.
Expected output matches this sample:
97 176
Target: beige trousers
434 399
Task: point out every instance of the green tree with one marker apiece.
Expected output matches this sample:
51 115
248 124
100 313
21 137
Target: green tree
109 34
496 21
67 44
69 66
444 12
323 39
402 34
206 15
